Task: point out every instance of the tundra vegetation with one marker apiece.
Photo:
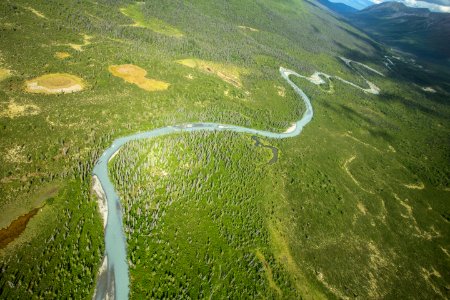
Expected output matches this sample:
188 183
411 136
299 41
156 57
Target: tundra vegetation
358 198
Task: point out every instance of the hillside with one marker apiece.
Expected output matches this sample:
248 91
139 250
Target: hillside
234 149
414 30
339 8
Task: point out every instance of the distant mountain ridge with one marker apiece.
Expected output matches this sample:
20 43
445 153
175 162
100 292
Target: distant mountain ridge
340 8
415 30
356 4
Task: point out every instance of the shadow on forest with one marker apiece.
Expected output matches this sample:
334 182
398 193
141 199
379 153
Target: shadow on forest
390 97
373 126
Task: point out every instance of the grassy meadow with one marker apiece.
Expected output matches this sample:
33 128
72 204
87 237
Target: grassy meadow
354 207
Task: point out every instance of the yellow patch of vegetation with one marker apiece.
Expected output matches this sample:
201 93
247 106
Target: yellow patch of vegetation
346 168
227 73
36 12
62 55
136 75
79 47
4 73
248 28
362 208
134 12
14 110
55 84
348 134
16 155
282 252
268 271
415 186
281 91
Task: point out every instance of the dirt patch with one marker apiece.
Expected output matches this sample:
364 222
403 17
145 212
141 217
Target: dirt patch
228 73
16 227
248 28
4 73
62 55
136 75
56 83
14 110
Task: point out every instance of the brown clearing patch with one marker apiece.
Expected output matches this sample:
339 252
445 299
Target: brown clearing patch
14 110
4 73
7 235
136 75
62 55
227 73
248 28
55 83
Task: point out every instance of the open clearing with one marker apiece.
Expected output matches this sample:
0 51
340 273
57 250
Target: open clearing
134 12
55 84
36 12
4 73
136 75
62 55
248 28
79 47
227 73
14 110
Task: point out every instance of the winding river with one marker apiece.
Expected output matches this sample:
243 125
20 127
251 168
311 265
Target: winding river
113 279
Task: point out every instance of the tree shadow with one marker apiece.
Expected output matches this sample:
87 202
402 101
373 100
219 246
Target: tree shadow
375 127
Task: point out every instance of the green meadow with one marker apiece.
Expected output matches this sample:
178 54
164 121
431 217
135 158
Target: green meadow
356 206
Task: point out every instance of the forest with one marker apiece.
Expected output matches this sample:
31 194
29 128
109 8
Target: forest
357 199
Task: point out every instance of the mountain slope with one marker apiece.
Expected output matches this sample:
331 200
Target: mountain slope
415 30
339 8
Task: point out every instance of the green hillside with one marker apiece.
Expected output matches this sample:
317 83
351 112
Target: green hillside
356 206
